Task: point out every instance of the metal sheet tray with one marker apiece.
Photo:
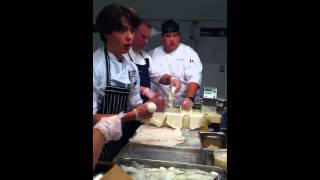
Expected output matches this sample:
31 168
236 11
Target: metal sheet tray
149 163
218 139
172 154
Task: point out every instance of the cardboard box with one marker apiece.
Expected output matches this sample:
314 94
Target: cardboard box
116 173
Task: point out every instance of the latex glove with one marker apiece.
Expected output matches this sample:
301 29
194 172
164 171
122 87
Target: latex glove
187 104
156 98
142 112
174 82
160 102
110 127
148 93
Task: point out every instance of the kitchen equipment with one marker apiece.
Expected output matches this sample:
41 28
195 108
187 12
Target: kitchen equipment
212 141
208 100
150 163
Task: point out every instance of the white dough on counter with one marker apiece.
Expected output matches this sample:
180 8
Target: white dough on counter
158 136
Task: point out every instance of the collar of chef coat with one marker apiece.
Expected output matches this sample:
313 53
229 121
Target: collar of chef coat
136 57
119 71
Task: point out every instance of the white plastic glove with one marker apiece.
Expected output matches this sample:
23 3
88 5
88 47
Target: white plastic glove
142 112
187 104
156 98
148 93
110 127
174 82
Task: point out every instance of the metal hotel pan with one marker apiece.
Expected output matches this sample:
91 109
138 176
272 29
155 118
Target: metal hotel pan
218 139
162 153
149 163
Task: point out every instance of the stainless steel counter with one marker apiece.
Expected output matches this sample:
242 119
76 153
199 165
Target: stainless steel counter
192 139
171 154
189 154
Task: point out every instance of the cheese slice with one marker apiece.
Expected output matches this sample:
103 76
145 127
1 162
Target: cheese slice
195 120
158 119
174 120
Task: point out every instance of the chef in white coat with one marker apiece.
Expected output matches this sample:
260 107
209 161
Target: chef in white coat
175 59
116 82
142 60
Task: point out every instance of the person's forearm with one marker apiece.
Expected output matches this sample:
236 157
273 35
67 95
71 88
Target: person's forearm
98 144
192 89
130 116
97 117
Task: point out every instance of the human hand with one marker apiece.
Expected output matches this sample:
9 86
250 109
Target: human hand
174 82
187 104
110 127
156 98
142 112
148 93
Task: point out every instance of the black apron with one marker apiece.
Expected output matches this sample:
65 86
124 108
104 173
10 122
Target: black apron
115 100
131 126
145 80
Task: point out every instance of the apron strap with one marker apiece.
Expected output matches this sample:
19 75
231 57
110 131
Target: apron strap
146 59
130 57
107 66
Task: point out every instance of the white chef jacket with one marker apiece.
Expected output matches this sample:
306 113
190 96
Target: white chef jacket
137 58
183 63
119 72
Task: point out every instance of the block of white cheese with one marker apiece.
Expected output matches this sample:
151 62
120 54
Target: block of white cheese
174 120
192 120
158 119
195 120
151 107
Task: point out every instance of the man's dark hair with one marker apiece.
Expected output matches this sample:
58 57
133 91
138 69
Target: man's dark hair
109 19
143 21
170 26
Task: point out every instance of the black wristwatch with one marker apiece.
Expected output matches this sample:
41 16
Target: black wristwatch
191 98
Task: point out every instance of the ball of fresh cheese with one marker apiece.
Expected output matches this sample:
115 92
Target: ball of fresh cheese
151 107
